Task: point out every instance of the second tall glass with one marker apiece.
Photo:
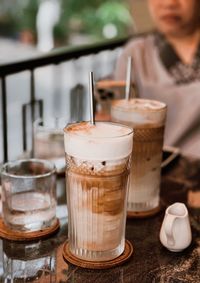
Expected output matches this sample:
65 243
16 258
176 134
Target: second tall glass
147 118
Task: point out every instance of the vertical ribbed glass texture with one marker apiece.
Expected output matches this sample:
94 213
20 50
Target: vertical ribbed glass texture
97 210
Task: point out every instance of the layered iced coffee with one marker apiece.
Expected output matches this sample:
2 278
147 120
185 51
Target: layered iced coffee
98 163
147 118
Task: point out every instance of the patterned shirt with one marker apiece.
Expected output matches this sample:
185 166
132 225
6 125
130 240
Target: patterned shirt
181 72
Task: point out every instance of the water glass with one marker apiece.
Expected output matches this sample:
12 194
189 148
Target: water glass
28 262
48 142
28 194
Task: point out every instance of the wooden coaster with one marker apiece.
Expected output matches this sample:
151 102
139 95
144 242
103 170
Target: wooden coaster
9 234
125 256
143 214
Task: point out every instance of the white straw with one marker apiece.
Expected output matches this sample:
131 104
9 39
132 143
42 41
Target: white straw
128 78
91 91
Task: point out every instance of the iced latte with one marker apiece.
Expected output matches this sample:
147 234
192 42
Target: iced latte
98 162
147 118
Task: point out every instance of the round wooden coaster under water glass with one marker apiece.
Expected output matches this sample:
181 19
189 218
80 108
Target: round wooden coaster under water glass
9 234
144 214
125 256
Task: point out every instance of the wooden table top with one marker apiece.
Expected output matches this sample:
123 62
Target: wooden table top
42 261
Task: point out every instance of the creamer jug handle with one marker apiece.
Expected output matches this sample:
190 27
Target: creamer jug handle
169 229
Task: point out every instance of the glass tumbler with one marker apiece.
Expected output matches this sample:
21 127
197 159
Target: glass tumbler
98 163
28 194
48 141
29 262
147 118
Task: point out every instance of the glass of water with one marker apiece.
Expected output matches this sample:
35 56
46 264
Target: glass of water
28 194
48 141
29 262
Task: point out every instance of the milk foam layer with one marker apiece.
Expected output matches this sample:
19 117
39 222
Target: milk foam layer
102 141
139 111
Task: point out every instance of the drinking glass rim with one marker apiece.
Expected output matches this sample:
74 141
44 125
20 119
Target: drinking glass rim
33 160
102 122
122 109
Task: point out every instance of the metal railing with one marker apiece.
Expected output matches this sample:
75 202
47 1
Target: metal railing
53 58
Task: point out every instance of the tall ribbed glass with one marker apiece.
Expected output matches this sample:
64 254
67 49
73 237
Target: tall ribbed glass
98 163
147 118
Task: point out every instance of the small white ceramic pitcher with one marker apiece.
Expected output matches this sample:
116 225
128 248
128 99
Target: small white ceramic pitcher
175 233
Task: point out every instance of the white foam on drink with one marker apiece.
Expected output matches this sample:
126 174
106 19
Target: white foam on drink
102 141
139 111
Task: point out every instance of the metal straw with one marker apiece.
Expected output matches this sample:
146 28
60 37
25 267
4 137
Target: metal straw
91 90
128 78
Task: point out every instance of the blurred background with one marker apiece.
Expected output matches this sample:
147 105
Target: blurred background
46 24
32 28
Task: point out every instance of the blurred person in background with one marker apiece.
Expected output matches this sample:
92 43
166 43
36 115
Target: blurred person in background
166 67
